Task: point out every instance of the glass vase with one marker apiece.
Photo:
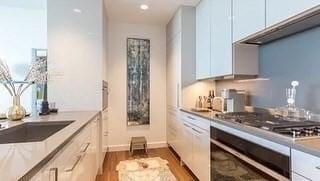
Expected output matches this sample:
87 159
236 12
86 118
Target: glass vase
16 112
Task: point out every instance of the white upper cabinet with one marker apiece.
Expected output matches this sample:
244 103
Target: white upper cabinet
249 16
203 42
221 38
278 11
218 23
181 53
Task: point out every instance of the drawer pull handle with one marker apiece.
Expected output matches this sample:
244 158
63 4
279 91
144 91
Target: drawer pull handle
84 147
186 125
318 167
55 174
191 118
70 169
197 131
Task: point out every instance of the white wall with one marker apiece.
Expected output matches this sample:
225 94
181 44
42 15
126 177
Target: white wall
75 53
105 76
22 29
119 133
105 44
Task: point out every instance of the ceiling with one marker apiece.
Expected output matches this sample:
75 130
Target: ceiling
159 12
27 4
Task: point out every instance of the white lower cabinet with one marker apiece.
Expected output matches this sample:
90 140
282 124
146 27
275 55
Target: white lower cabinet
189 136
305 165
105 132
196 145
48 172
188 145
172 128
201 153
174 131
296 177
77 161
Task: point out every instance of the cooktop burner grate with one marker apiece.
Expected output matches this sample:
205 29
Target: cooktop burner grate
292 129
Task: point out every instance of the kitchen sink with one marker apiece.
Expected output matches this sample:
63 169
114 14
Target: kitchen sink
31 132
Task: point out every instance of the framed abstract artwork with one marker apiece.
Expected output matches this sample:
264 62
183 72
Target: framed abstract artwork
138 82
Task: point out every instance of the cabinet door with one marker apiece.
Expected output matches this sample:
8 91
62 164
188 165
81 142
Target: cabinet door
296 177
203 33
201 153
173 130
178 63
171 94
173 74
179 140
169 130
184 143
309 169
180 135
278 11
221 34
188 145
249 16
105 118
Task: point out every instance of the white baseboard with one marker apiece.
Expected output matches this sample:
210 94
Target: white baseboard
114 148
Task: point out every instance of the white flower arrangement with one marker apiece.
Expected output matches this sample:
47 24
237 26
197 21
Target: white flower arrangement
37 74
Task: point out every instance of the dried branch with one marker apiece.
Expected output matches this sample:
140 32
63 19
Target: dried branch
5 77
37 75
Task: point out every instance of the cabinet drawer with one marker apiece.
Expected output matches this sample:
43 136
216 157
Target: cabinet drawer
87 163
83 137
71 155
70 158
196 121
47 173
305 164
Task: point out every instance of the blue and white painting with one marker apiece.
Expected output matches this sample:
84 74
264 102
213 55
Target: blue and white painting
138 80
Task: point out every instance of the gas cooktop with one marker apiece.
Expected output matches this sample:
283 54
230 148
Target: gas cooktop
293 129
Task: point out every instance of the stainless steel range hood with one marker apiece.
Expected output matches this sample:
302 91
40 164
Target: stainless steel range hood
301 22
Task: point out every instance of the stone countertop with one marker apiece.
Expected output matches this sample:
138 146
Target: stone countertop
18 159
310 146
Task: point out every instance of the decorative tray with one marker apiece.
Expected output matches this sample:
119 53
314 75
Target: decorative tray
200 109
3 116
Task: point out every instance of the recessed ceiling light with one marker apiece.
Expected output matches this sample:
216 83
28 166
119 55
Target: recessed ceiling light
144 7
76 10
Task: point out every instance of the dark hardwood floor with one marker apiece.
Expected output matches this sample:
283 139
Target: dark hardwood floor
113 158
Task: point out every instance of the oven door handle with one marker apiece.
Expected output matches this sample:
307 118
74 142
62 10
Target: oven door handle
249 160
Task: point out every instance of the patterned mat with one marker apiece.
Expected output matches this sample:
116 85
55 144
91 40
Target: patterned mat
149 169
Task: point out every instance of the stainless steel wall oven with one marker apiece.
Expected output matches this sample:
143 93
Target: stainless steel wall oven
234 158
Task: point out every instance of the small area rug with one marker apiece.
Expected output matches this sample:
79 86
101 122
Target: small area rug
148 169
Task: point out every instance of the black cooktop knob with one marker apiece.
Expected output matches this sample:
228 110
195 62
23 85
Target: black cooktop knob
317 130
238 120
296 132
308 131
